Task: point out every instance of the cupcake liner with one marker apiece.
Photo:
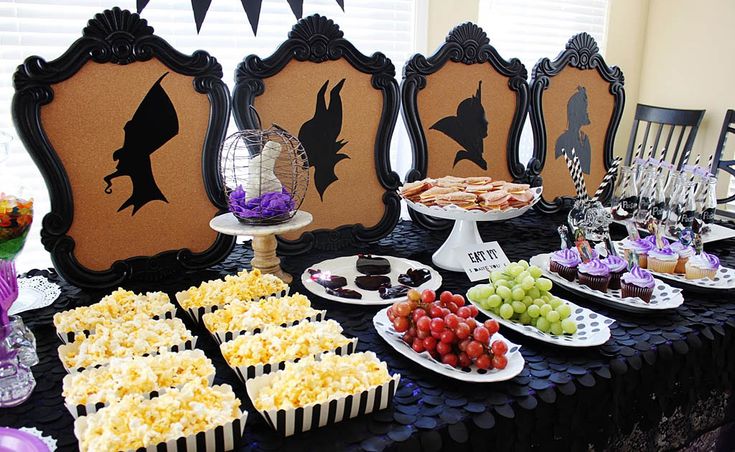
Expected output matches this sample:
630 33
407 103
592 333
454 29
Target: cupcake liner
615 280
594 282
631 290
660 266
681 265
568 273
699 273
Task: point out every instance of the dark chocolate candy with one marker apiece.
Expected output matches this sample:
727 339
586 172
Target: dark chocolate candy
369 265
414 277
344 293
327 280
387 293
374 282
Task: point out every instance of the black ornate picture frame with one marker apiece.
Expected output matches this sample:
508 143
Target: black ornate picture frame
581 52
318 39
117 37
469 44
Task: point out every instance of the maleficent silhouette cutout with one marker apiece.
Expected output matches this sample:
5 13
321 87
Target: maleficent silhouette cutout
154 123
319 137
573 137
468 129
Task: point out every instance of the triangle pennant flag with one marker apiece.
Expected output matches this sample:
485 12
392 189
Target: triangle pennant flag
140 4
341 4
297 6
252 9
200 8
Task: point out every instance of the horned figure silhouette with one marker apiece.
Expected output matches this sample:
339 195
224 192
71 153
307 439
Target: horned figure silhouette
319 137
153 124
468 129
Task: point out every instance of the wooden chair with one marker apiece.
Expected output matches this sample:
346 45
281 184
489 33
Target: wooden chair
728 166
464 108
576 103
655 120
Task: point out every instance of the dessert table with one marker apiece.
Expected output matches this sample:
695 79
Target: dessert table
653 366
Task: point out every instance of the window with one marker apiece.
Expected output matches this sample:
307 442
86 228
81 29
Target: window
47 28
532 29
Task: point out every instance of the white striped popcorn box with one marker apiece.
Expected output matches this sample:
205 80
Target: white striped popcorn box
197 313
224 336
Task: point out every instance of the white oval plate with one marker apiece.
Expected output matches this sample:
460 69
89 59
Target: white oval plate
345 266
664 296
724 279
453 212
592 328
393 338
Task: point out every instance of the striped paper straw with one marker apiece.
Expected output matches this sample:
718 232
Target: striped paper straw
580 174
576 176
608 177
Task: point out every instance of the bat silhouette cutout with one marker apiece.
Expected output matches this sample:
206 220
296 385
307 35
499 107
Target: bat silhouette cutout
319 137
153 124
468 129
573 137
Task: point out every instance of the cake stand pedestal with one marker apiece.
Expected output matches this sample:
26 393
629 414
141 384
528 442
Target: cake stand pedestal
264 239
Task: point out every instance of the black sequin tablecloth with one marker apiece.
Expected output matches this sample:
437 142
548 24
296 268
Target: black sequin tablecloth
565 399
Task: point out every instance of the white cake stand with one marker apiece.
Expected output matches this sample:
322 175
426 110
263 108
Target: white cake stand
464 232
264 239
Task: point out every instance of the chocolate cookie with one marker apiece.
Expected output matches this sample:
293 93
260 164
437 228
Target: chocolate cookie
344 293
373 282
369 265
327 280
387 293
414 277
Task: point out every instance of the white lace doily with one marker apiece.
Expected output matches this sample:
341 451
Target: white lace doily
34 293
48 440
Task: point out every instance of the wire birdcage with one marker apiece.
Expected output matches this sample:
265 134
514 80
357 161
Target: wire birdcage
265 175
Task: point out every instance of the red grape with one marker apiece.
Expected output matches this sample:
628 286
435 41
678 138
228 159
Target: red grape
473 310
446 297
445 312
435 311
414 295
402 309
417 314
462 331
407 339
492 326
474 349
437 324
481 334
499 348
421 334
472 323
464 360
428 296
463 344
411 331
430 344
458 300
500 361
448 337
423 324
484 361
391 314
464 312
401 324
451 321
436 334
443 348
450 359
418 345
452 307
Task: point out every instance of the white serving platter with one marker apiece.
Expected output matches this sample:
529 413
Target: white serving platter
664 296
515 365
345 266
724 279
592 328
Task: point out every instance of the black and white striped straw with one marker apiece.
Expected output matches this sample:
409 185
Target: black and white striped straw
611 172
576 172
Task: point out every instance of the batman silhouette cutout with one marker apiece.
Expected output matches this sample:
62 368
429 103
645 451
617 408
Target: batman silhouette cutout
319 137
573 138
153 124
468 129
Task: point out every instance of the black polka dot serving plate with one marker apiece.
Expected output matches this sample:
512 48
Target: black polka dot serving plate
592 328
473 374
724 278
664 296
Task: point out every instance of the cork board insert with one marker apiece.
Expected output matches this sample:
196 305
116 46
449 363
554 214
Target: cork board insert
466 114
577 108
334 111
157 200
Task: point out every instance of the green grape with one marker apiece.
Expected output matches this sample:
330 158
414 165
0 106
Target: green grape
544 284
546 297
525 318
545 309
556 329
523 263
555 302
503 283
553 317
534 292
528 283
534 311
535 271
497 275
483 303
564 310
494 301
543 324
518 293
514 270
504 292
569 326
539 302
519 307
506 311
528 301
474 293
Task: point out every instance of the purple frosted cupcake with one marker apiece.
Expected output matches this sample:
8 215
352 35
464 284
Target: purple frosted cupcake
637 283
662 260
684 252
703 265
617 266
641 248
594 274
652 240
565 262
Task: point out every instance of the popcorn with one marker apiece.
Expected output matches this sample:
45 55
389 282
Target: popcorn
121 305
136 337
135 422
275 344
137 375
251 315
244 286
310 381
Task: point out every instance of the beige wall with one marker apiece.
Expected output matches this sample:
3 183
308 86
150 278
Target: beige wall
443 15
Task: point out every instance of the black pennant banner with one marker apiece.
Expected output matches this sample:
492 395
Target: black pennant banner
251 7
